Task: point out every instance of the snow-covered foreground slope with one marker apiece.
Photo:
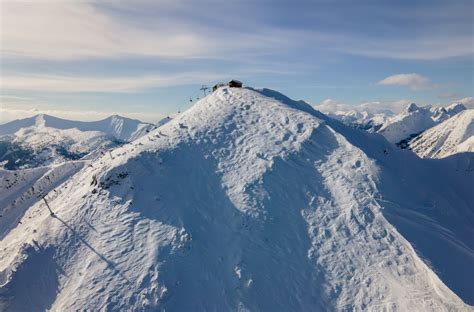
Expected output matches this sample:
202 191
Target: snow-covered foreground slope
455 135
414 120
44 140
248 200
20 189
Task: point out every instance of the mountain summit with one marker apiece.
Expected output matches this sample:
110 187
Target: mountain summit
45 140
120 128
247 201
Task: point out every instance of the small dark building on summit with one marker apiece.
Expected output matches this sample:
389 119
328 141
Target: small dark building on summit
234 84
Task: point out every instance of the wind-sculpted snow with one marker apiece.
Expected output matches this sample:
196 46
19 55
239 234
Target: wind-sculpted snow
247 201
19 189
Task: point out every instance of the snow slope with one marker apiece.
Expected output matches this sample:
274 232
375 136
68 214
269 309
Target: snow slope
19 189
414 120
454 135
248 201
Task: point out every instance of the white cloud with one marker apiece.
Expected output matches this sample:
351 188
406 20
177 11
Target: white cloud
467 101
332 106
65 30
76 29
412 81
54 83
381 106
430 47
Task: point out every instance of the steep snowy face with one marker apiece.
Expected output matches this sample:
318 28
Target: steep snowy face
403 127
121 128
412 108
407 124
455 135
248 200
455 108
440 114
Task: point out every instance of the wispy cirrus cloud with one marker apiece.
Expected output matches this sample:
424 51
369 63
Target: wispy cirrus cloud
412 81
59 30
68 30
331 106
467 101
72 30
61 46
57 83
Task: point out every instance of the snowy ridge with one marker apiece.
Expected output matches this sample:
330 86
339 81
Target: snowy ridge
118 127
248 200
45 140
414 120
362 119
455 135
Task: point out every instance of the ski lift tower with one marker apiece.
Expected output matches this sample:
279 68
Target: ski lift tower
204 89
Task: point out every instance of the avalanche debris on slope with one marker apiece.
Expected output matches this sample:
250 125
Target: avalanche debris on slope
248 200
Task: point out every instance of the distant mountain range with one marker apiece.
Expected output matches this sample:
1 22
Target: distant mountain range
44 139
401 128
247 201
415 120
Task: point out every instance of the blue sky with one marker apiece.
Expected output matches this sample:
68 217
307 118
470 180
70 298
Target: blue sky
89 59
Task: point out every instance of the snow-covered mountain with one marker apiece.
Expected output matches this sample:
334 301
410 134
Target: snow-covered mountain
246 201
454 135
120 128
403 127
364 120
42 140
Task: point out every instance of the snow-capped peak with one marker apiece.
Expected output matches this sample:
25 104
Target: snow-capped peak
455 108
412 108
44 140
247 201
121 128
454 135
414 120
